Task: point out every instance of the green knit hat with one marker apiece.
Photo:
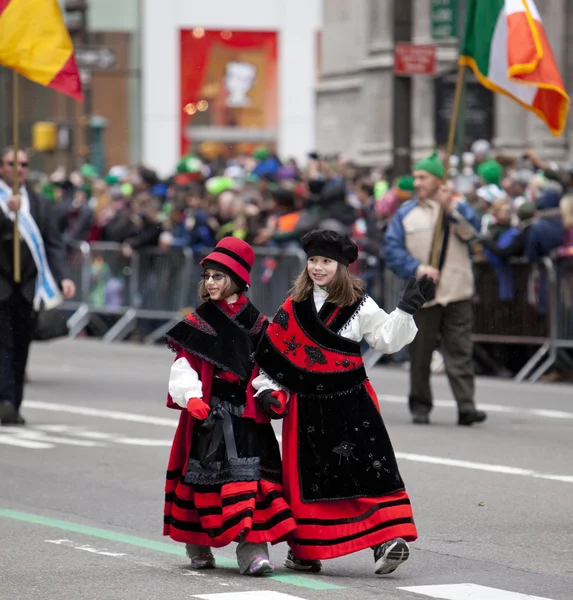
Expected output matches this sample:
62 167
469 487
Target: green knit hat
218 185
406 184
189 164
88 171
491 172
261 153
112 179
432 165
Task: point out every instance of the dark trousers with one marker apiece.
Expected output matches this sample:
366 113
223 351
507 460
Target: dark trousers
450 327
15 337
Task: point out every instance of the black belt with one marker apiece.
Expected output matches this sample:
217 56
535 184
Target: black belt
219 420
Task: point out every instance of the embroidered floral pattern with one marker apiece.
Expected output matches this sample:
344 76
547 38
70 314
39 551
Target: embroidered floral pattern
292 346
281 318
345 450
314 355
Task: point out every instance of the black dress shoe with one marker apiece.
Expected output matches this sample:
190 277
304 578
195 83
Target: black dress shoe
17 419
7 412
421 418
469 418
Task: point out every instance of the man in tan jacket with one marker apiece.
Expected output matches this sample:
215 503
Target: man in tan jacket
447 320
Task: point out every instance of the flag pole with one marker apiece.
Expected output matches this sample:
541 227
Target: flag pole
16 185
437 242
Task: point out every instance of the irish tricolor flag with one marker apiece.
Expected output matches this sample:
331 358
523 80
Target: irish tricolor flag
506 47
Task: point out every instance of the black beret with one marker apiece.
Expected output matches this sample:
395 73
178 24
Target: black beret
330 244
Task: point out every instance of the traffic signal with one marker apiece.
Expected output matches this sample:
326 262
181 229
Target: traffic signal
76 17
44 136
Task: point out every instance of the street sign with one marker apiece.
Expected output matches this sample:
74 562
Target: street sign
414 59
444 19
93 58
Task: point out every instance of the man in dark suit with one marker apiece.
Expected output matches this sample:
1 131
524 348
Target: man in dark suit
17 299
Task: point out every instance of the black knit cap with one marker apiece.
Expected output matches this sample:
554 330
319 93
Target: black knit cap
330 244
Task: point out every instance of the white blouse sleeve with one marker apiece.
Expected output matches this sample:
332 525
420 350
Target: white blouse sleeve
262 383
184 383
385 332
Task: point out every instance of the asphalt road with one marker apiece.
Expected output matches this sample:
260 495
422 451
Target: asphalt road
81 492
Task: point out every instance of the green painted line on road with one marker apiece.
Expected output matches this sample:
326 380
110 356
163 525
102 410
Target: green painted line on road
104 534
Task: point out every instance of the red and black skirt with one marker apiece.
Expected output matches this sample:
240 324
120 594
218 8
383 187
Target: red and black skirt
231 483
346 496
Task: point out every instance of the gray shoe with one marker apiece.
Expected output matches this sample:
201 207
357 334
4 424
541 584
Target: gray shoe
254 559
390 556
298 564
201 556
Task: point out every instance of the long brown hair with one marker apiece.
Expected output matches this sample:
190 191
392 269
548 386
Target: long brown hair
344 290
228 289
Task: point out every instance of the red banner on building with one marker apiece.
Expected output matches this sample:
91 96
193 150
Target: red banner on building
228 89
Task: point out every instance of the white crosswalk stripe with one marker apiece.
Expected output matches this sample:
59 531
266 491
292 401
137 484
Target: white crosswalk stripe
467 591
42 438
459 591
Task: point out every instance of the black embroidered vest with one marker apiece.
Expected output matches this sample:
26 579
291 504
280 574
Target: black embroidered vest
228 343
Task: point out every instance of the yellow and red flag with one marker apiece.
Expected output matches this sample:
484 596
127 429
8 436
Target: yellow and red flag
34 42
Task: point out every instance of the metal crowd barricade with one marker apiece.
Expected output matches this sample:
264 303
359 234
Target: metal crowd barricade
393 290
526 316
78 265
158 285
564 304
273 275
517 308
561 308
150 285
368 267
165 279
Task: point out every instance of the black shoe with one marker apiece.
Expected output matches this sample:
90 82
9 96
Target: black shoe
7 413
297 564
469 418
419 418
389 556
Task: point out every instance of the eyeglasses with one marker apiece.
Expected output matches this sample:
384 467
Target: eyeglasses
24 165
217 277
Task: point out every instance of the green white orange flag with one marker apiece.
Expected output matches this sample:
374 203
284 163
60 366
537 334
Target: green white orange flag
34 42
506 46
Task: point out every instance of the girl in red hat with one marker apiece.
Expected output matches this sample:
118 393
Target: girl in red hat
340 473
224 474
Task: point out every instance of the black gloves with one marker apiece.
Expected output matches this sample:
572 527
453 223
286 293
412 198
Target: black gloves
273 404
417 293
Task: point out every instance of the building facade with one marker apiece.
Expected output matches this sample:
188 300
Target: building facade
218 77
224 76
354 95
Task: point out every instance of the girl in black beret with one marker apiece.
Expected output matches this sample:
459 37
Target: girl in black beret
339 470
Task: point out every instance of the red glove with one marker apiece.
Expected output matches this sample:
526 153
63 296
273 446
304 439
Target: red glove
197 408
274 403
